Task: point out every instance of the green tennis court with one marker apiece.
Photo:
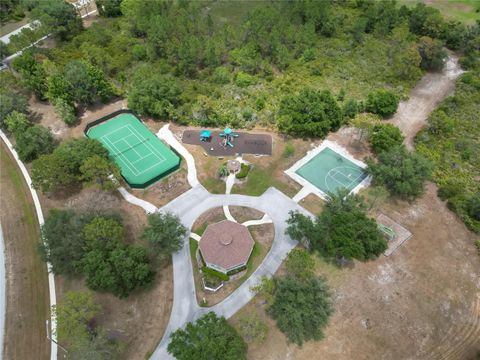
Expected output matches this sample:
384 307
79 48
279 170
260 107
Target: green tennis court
141 156
330 171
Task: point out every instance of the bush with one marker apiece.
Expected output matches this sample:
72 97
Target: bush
301 308
10 102
244 80
36 140
66 111
219 340
350 108
402 173
218 274
289 150
244 170
221 75
222 171
310 113
384 137
341 231
382 102
252 328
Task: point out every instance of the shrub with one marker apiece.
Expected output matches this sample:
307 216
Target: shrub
10 102
289 150
402 173
66 111
384 137
218 274
382 102
210 337
222 171
244 170
350 108
221 75
252 328
36 140
244 80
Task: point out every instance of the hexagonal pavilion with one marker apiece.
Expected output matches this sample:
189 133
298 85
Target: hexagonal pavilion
226 246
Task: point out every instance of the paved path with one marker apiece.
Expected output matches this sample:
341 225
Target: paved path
165 134
41 221
264 220
132 199
3 292
189 206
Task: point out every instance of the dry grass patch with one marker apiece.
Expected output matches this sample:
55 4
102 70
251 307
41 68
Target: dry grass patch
312 203
243 213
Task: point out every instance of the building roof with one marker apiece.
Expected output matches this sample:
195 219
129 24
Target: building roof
226 244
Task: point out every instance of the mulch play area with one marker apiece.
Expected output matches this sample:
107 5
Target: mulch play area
245 143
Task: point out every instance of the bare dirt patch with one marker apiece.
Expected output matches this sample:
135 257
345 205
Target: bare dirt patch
312 203
141 319
412 114
423 302
27 298
242 213
165 190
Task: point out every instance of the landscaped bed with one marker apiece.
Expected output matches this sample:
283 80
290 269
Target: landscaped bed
262 235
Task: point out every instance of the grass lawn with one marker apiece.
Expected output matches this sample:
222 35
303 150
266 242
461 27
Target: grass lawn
27 281
459 10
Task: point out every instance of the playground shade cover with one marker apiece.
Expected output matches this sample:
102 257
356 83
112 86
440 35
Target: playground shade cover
329 171
141 156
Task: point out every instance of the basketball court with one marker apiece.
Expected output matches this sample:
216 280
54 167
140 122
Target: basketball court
141 156
327 169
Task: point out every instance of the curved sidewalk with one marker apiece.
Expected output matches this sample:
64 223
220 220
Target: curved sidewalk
38 208
189 206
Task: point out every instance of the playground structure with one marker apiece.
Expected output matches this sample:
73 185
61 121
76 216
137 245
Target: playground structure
228 135
388 233
205 136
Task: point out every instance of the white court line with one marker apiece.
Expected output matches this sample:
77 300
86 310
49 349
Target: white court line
114 131
131 147
152 148
144 157
123 138
121 157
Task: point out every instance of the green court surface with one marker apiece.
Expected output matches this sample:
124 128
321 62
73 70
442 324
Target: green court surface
329 171
141 156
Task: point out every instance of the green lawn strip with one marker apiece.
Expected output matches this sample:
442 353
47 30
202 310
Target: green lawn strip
259 180
38 269
214 185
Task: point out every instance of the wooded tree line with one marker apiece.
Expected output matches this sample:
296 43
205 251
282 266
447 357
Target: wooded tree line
176 60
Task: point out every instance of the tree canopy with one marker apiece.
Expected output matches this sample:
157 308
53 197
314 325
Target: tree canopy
300 264
401 172
341 231
301 308
164 234
384 137
382 102
310 113
209 338
63 168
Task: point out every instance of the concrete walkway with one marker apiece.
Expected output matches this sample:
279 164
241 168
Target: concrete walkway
189 206
264 220
165 134
145 205
41 221
3 292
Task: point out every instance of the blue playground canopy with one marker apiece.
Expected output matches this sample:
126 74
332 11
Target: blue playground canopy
227 131
205 133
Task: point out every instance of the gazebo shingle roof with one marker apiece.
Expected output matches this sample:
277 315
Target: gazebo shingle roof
226 244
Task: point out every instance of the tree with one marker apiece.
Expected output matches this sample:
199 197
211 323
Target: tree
342 231
4 50
301 308
385 136
17 123
59 18
432 53
63 244
109 8
110 265
310 113
36 140
33 74
61 169
210 337
97 169
9 102
164 234
65 110
154 94
402 173
382 102
300 264
75 314
252 328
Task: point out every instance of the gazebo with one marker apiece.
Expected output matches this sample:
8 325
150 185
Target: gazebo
226 246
